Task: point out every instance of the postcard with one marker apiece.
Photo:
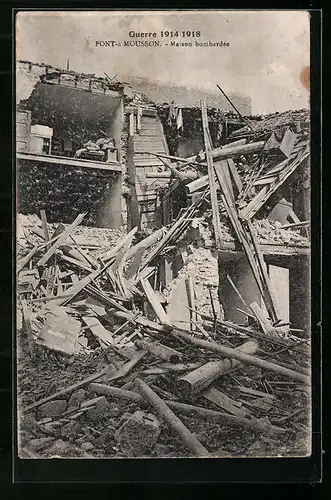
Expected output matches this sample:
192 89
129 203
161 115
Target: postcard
163 234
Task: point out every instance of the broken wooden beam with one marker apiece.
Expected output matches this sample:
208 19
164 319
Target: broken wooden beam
62 238
187 409
211 177
141 320
167 414
196 381
221 152
155 303
220 399
243 357
160 351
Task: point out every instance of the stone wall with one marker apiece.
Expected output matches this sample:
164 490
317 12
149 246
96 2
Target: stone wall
63 192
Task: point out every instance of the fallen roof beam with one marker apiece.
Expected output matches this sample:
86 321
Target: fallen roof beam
219 153
243 357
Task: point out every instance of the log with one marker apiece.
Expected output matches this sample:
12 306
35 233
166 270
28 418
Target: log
243 357
201 378
164 411
160 351
187 409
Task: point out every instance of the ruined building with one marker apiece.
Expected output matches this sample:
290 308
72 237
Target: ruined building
189 219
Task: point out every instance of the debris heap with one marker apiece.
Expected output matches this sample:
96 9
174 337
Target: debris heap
104 372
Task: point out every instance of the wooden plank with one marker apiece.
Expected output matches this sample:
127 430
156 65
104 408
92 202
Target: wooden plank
45 227
131 125
268 295
155 303
262 318
226 175
77 263
246 211
223 401
166 238
147 162
62 238
103 335
150 143
160 351
211 177
234 174
190 410
77 287
150 133
66 390
191 301
142 321
70 162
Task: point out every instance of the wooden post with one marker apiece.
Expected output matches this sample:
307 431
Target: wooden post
154 302
211 176
199 379
191 301
133 206
164 411
243 357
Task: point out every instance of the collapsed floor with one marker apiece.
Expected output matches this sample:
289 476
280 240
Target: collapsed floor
103 371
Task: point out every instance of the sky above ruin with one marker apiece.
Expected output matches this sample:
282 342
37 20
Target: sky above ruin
266 56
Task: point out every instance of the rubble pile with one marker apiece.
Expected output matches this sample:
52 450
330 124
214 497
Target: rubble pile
100 374
272 232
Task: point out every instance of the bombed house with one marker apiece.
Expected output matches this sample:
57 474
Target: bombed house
163 273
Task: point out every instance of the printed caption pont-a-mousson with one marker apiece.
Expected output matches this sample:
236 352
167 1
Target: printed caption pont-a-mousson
162 38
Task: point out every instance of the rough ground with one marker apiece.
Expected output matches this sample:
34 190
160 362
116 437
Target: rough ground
93 433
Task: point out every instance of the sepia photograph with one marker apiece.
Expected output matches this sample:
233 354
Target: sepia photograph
163 209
